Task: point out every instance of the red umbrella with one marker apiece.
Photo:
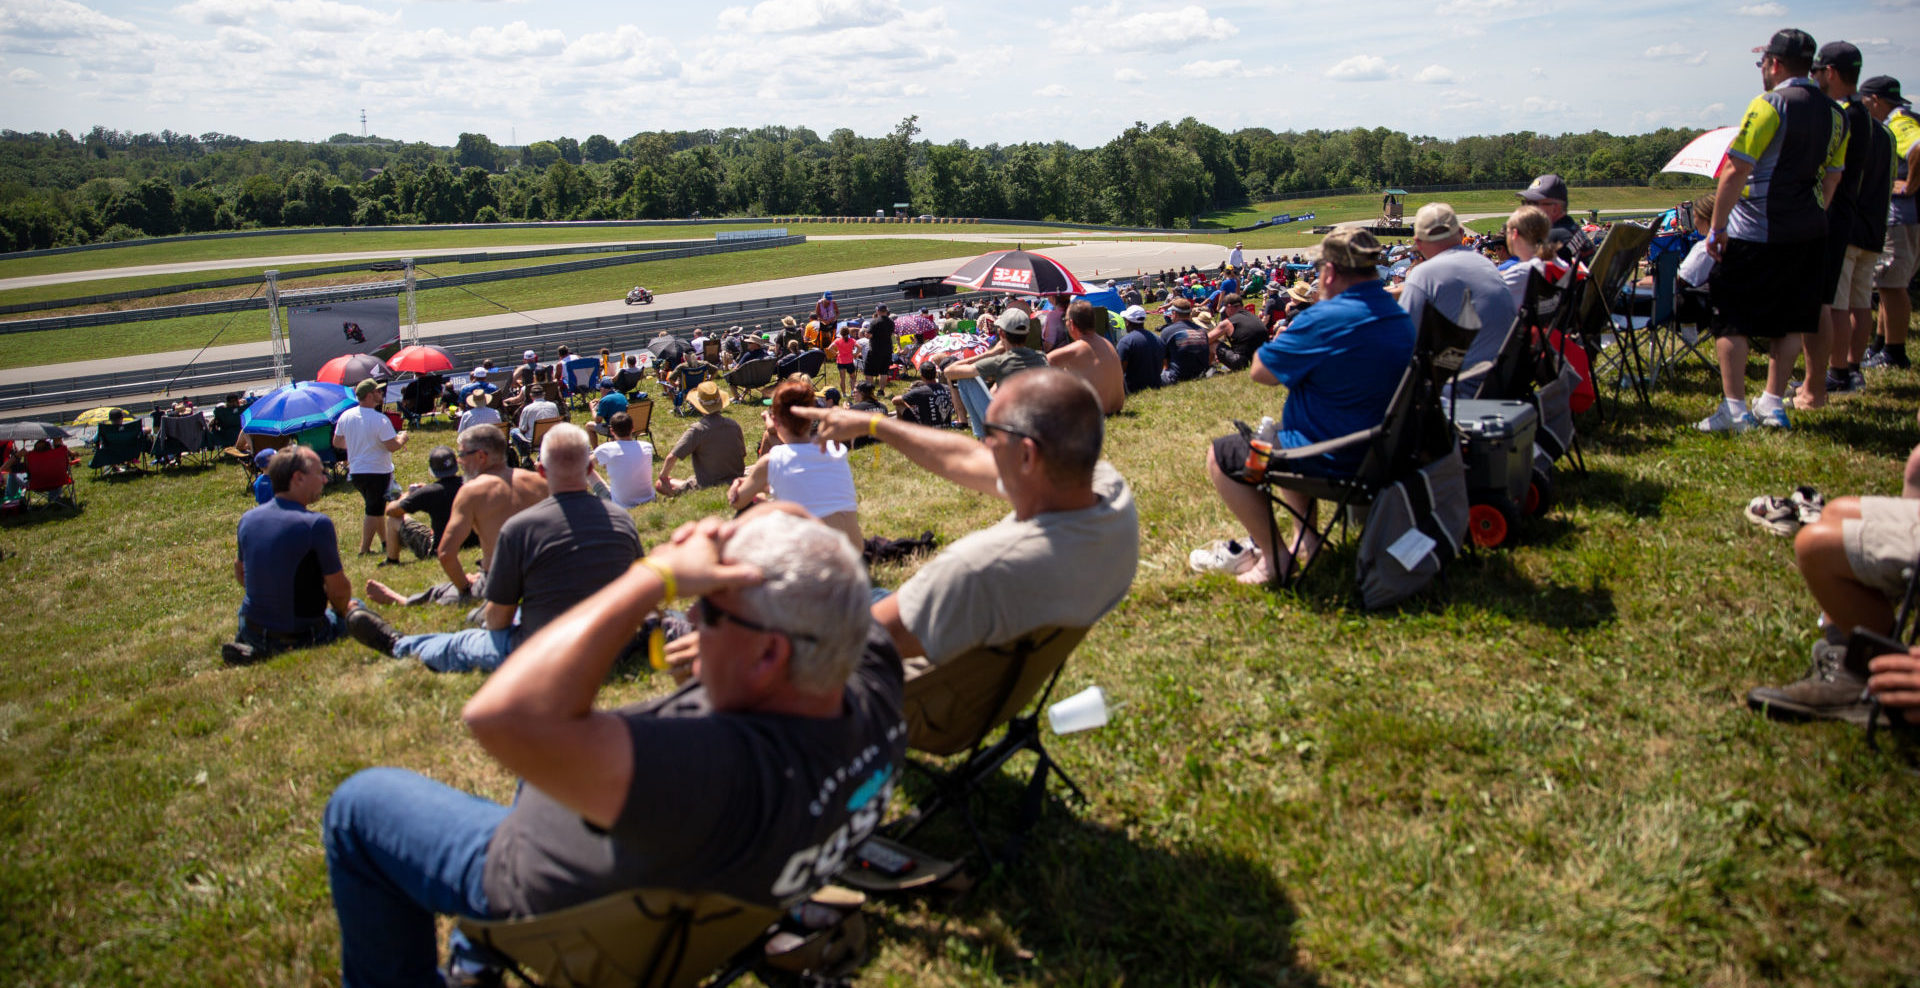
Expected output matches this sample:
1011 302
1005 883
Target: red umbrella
353 368
421 359
1017 271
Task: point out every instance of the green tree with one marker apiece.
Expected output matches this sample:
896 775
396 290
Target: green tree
599 149
476 151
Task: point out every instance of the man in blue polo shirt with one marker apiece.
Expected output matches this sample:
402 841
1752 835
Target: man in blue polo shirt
1340 362
289 562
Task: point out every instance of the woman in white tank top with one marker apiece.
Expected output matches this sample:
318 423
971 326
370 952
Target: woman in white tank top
796 470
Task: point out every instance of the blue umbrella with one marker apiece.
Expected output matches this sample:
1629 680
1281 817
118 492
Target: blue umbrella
295 408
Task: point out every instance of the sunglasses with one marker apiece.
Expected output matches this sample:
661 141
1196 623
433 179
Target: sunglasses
705 612
991 427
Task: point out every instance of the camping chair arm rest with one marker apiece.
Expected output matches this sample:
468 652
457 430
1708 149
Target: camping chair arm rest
1324 447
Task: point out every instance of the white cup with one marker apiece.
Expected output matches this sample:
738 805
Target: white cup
1082 711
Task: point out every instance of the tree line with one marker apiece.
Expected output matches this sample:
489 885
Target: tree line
59 189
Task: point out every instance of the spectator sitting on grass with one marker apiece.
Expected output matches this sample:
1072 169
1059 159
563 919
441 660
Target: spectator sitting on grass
1451 274
436 499
480 411
815 477
1010 355
1142 355
288 562
1188 352
628 462
611 403
715 443
793 686
1088 356
928 402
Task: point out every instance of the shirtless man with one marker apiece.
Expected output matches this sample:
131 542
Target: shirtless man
1090 357
493 492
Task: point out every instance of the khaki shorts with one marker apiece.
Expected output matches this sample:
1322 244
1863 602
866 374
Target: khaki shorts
1856 279
1897 260
1883 544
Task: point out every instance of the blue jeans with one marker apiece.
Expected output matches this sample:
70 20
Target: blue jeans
472 650
402 848
973 395
265 643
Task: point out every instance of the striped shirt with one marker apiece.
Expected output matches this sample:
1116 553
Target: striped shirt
1792 135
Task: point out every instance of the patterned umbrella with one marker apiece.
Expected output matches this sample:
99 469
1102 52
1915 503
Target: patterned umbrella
295 408
955 345
99 416
1017 271
352 369
915 325
422 359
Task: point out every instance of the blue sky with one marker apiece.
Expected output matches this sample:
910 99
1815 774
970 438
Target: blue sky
984 70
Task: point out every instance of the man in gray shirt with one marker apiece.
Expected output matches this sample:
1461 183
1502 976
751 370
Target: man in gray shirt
548 558
1063 557
1449 273
972 376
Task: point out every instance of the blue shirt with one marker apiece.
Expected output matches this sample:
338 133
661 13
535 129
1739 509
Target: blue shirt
286 550
609 405
262 489
1141 357
1340 362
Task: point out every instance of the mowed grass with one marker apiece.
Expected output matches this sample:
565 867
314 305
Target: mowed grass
491 298
1338 209
1541 772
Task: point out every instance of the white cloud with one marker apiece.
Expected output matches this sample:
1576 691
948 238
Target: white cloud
1477 8
1129 75
1055 91
1540 104
625 44
809 16
1437 75
1762 10
1112 28
1361 68
26 79
241 39
231 12
516 40
1224 68
53 19
329 15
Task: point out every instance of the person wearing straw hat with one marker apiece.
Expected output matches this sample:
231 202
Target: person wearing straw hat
480 411
716 444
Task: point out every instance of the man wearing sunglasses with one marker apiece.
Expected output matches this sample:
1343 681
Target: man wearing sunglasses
1063 557
751 782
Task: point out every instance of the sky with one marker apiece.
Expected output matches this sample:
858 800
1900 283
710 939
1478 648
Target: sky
983 71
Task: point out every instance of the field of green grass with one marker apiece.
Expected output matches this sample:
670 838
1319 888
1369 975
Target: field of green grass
1539 773
600 285
1336 209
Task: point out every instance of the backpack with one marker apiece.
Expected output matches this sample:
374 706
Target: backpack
1414 528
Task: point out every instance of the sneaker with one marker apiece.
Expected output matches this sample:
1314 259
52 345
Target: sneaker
1775 514
1856 381
1807 503
1827 692
372 630
1230 556
1838 384
387 562
237 654
1721 421
1885 359
1772 418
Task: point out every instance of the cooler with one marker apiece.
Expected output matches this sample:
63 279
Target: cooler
1496 442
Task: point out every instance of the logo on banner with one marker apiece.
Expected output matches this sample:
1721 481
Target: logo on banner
1012 278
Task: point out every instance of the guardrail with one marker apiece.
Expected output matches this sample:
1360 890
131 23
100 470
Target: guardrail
625 331
376 290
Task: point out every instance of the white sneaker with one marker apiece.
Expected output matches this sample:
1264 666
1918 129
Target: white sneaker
1230 556
1720 421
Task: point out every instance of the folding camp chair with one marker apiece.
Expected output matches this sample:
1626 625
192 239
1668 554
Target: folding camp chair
752 378
956 706
420 398
647 938
256 443
691 378
226 426
583 378
320 440
540 429
810 363
50 475
1625 363
119 445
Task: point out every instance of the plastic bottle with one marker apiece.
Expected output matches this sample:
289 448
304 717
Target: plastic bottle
1260 449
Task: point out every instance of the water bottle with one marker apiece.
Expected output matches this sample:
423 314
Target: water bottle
1260 449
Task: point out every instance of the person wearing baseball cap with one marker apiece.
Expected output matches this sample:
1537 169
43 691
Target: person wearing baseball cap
1901 251
1856 229
1769 229
1449 274
369 439
1142 355
1549 193
1340 362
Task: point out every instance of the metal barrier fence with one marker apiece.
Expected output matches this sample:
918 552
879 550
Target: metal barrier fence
376 290
625 331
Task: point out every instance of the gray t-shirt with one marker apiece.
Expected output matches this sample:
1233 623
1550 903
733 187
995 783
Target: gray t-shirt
718 448
1001 366
1058 569
558 553
1444 280
759 807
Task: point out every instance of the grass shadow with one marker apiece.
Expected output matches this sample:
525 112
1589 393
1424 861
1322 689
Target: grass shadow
1871 437
1090 904
1483 579
37 515
1611 490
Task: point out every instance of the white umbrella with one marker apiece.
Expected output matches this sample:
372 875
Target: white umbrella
1703 154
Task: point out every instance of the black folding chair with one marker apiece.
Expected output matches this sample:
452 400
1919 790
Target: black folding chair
1625 362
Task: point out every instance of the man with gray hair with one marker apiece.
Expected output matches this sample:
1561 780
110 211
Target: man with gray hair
547 558
1448 275
752 781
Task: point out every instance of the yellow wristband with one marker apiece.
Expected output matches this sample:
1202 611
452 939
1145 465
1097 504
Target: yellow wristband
873 425
665 573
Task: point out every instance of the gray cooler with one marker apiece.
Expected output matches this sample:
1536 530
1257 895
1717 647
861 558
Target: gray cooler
1496 441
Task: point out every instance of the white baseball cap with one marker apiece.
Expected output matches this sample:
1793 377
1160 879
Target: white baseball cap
480 372
529 355
1134 313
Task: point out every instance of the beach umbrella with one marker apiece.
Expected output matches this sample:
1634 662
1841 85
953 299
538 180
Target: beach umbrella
1703 154
296 408
914 324
353 368
99 416
422 359
27 432
955 345
1019 272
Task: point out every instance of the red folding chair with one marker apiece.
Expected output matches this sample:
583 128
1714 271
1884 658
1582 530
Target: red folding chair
50 475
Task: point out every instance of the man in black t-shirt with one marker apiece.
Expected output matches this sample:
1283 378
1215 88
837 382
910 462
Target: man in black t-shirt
879 346
927 402
754 781
1187 349
436 499
1240 333
547 558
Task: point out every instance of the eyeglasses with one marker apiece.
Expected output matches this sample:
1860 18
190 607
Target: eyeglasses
706 612
465 452
993 427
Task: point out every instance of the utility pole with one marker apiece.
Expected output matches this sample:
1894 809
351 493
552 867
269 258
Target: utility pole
363 121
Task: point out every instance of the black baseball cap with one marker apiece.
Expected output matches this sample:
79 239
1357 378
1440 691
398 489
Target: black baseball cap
1789 43
1547 186
442 463
1837 55
1886 87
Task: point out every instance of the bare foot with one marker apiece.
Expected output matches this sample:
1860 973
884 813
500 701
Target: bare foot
379 593
1256 574
1805 402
